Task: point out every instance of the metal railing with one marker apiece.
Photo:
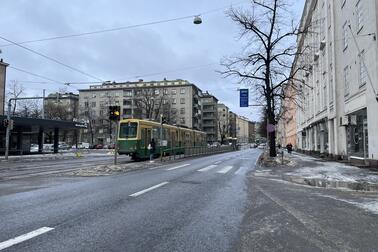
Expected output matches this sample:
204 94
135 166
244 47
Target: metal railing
180 152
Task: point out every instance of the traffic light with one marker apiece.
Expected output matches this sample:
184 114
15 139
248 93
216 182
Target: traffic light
5 123
114 113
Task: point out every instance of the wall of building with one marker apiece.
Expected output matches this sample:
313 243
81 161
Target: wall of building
338 103
3 67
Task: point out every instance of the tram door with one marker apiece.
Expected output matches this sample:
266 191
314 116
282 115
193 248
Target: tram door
146 139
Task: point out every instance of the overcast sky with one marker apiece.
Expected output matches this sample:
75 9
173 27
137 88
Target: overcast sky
123 55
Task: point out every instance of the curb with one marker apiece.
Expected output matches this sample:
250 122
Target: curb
324 183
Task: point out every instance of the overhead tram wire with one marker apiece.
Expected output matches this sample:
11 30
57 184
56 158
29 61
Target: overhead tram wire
51 59
121 27
42 77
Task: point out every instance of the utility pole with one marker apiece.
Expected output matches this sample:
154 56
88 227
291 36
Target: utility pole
161 137
116 142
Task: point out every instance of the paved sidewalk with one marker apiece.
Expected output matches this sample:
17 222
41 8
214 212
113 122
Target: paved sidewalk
71 154
303 169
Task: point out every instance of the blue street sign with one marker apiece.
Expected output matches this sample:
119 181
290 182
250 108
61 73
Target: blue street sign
244 98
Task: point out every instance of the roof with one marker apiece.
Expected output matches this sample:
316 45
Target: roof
46 123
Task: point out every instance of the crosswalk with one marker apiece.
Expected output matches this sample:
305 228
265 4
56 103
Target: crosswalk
216 167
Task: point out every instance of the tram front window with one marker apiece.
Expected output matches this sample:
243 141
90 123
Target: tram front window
128 130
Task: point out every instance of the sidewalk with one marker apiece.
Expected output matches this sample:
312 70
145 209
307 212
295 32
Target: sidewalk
303 169
71 154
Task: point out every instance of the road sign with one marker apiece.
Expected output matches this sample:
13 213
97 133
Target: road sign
244 97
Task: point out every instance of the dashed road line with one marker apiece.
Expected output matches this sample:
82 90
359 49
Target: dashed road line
207 168
148 189
176 167
225 169
24 237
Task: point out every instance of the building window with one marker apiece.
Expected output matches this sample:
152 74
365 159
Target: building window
164 101
93 95
86 104
165 91
346 80
126 102
345 35
174 101
128 93
182 111
173 91
359 16
182 91
182 100
363 72
156 91
182 120
93 105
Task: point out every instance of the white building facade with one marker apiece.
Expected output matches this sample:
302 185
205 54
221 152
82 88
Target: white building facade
338 112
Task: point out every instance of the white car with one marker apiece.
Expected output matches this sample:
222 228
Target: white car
83 145
34 148
262 146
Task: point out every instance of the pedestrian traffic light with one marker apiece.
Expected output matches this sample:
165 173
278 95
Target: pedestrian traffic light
5 123
114 113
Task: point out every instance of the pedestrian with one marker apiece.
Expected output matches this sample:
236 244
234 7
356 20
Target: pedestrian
289 148
152 148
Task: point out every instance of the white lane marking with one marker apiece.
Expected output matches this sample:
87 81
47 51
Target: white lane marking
225 169
218 162
176 167
241 170
207 168
24 237
148 189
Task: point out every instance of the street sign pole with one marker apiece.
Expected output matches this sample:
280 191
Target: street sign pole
7 134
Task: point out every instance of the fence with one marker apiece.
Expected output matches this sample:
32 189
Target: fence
195 151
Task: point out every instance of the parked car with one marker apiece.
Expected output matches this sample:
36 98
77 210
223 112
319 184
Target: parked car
98 146
253 145
48 147
83 145
63 146
262 146
34 148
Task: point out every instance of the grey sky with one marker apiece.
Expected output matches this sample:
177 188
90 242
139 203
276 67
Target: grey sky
123 55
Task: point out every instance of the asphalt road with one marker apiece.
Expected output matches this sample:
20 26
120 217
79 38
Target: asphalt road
212 203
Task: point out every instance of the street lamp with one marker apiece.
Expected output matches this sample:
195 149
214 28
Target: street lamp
197 20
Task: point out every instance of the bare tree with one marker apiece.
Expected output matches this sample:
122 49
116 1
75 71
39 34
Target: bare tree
30 108
266 62
56 111
15 90
88 114
149 102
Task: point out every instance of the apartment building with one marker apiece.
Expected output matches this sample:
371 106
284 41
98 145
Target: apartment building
251 132
177 100
3 68
242 129
223 122
338 101
232 118
61 106
210 116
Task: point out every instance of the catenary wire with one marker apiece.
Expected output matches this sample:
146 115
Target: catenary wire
51 59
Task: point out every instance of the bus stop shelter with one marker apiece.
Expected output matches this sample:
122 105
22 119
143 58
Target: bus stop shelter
27 131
